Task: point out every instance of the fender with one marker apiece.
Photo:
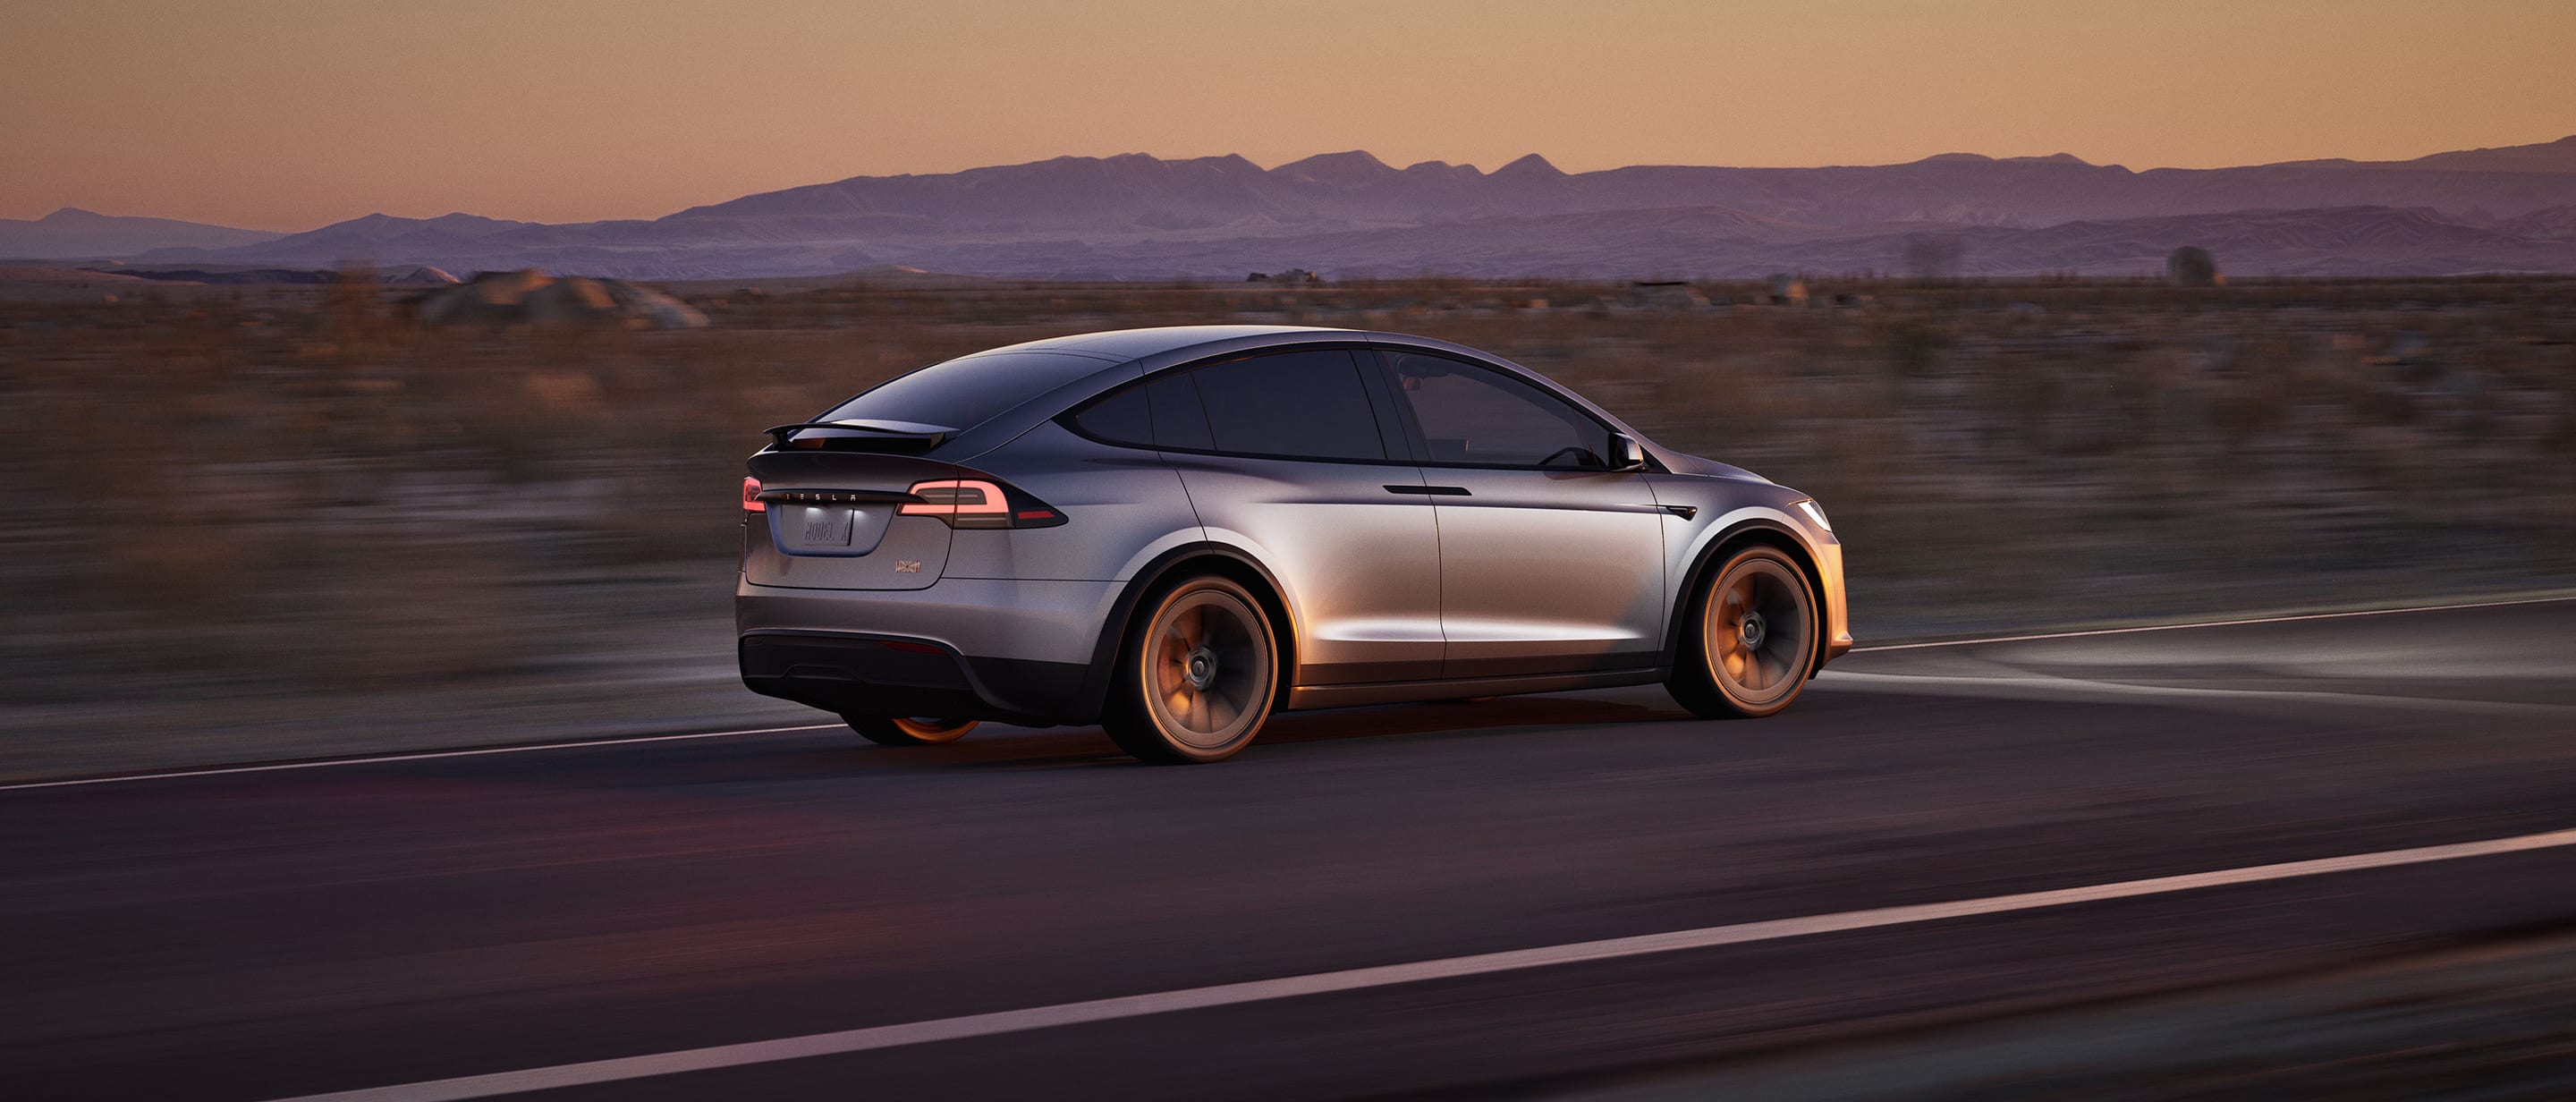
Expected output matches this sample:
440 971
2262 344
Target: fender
1094 694
1730 529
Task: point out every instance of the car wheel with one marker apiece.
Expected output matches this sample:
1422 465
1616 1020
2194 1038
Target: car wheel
902 731
1197 676
1753 638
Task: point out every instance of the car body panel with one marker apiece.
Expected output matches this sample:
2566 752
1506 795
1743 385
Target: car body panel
864 545
1143 344
1360 564
1548 571
1050 621
1313 697
832 547
1122 506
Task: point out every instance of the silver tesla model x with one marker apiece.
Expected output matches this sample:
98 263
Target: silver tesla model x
1175 532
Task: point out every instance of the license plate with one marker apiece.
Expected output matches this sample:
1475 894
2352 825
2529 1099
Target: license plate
827 527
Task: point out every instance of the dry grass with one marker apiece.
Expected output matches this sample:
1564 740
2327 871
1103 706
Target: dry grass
218 492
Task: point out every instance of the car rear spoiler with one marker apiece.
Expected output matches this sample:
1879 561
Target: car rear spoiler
893 436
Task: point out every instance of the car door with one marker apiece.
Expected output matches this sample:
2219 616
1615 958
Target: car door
1549 561
1288 454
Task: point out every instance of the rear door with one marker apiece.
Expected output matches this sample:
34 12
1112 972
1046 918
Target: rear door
832 520
1288 452
1549 562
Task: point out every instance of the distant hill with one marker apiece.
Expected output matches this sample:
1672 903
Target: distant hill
369 238
75 234
1707 242
2552 224
2557 156
1135 216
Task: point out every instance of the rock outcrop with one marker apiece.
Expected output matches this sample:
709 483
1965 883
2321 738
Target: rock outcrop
531 297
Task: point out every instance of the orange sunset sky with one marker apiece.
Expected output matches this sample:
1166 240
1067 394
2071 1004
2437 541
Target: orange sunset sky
288 115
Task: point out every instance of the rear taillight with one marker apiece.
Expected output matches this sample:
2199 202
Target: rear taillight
979 503
957 497
751 496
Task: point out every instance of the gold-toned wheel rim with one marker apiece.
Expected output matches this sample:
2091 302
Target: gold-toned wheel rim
1759 631
1207 669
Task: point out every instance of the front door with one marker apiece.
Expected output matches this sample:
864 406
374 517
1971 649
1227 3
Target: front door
1549 561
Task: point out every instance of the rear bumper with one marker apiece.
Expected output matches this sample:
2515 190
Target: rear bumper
963 648
853 674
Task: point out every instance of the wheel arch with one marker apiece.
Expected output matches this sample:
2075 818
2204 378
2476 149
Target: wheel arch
1734 537
1184 561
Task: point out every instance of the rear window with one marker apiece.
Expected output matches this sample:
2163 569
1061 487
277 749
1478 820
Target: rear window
965 392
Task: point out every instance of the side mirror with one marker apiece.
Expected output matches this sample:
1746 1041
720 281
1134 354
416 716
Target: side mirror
1625 455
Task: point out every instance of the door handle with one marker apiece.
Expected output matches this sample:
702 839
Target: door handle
1435 491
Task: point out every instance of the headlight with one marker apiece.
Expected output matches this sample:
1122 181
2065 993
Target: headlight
1815 513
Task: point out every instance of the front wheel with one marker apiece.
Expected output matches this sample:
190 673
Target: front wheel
904 731
1197 676
1753 639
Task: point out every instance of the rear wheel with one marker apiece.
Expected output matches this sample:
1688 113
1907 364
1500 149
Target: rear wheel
1753 638
1197 676
904 731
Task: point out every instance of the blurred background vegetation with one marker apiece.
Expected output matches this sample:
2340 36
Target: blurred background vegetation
261 521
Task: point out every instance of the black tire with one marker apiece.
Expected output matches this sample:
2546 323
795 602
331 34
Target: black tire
1751 637
1197 675
901 731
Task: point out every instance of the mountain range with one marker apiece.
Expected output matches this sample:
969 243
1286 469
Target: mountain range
1135 216
75 234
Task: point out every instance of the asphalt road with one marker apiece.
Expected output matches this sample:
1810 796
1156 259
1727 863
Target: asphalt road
264 935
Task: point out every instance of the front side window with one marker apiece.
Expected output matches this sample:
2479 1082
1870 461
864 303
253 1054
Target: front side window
1298 405
1471 414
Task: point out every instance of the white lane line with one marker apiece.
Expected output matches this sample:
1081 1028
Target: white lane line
2081 687
486 751
2210 624
1231 994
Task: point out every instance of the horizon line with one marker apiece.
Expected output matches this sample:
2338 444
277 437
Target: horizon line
2058 157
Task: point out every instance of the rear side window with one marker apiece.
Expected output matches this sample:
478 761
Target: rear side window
1121 418
1163 413
1302 405
1179 422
